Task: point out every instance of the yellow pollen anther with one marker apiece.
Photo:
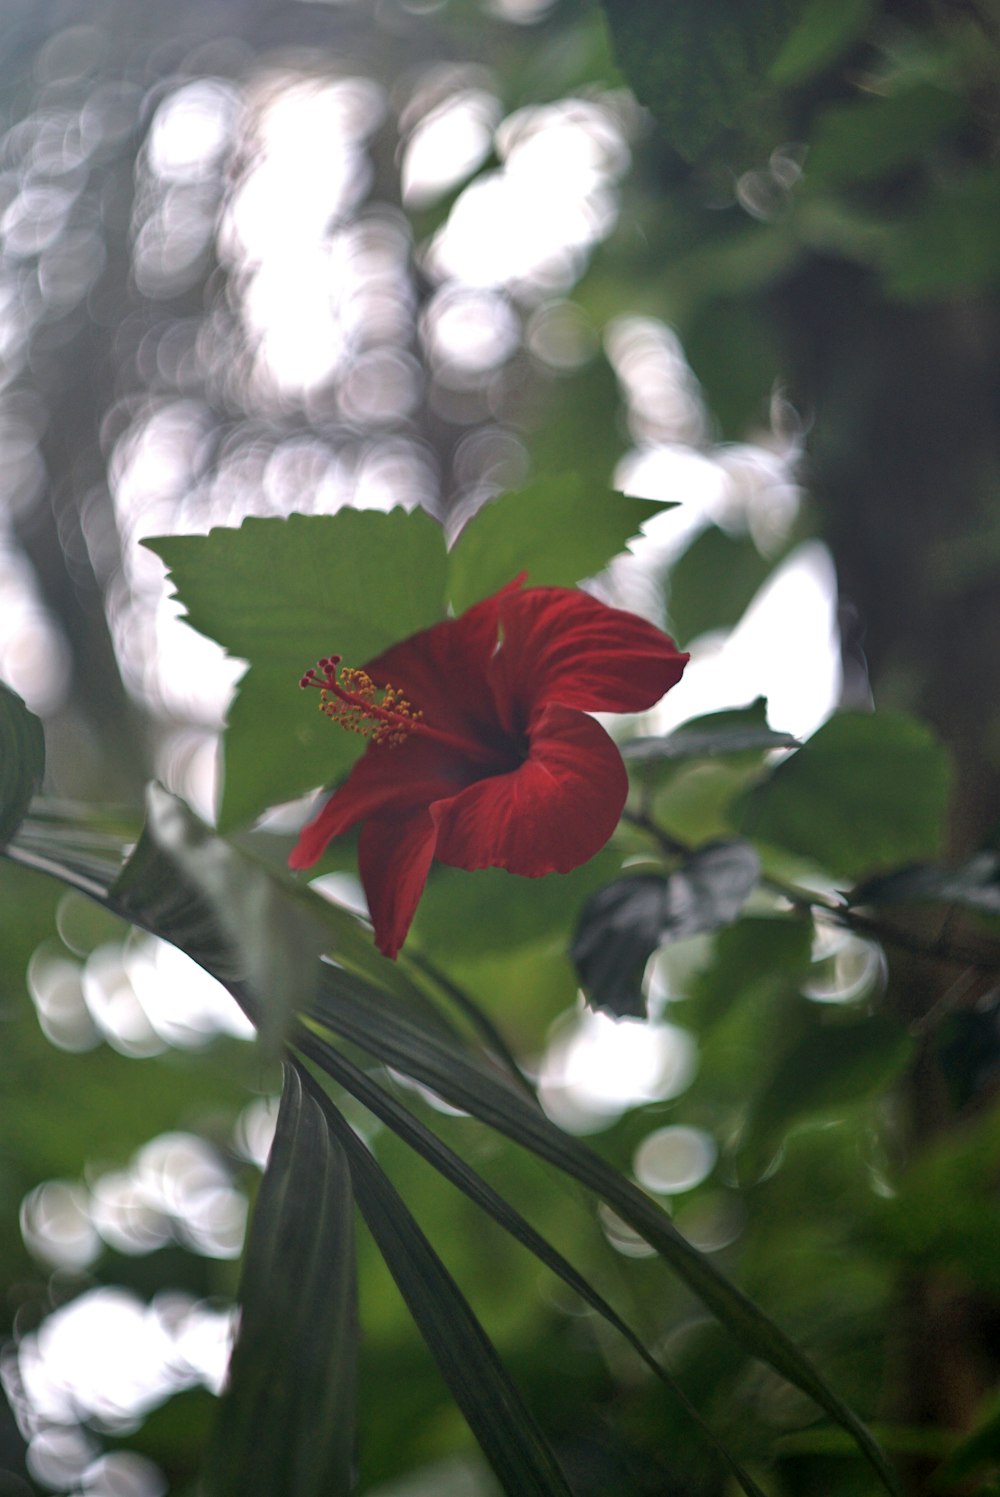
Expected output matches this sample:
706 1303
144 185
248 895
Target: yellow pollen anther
350 698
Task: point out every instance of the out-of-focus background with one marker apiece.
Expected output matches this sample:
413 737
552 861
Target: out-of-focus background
258 258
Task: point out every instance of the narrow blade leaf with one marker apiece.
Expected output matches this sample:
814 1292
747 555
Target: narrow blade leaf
505 1429
467 1083
454 1169
287 1420
22 761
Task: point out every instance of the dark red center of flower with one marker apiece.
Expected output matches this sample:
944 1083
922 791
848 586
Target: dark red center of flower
383 714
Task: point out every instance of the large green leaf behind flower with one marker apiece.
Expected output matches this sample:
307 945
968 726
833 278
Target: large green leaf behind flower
281 592
558 530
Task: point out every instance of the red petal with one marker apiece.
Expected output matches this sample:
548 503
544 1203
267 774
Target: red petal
443 671
561 645
394 856
548 816
412 774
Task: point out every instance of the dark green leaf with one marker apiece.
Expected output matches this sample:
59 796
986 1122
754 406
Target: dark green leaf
622 925
454 1169
869 137
822 34
618 931
865 790
496 910
295 589
974 885
359 1016
951 242
828 1062
713 583
980 1448
753 956
945 1213
700 68
287 1420
558 530
22 761
503 1425
739 731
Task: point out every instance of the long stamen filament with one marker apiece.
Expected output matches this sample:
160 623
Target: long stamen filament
389 721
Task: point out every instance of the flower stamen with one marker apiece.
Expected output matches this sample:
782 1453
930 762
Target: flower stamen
350 698
382 714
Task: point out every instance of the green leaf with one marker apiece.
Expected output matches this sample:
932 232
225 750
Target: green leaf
458 1173
357 1014
279 593
980 1448
865 791
503 1425
870 137
699 67
22 761
828 1062
822 33
287 1420
950 243
558 530
497 911
945 1214
618 931
713 583
739 731
755 956
622 925
975 885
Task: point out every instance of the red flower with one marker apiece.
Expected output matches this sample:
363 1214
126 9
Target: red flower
482 754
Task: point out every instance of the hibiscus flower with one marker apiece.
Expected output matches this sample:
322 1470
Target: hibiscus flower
481 751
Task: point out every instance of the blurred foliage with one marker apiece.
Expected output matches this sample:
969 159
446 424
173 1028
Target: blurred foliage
813 217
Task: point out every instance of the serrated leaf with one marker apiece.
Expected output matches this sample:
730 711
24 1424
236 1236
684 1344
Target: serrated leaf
279 593
467 1083
22 761
713 583
975 885
700 68
503 1425
623 924
287 1419
558 530
864 791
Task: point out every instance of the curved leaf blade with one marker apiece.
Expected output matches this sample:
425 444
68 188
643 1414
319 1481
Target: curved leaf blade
503 1425
467 1083
454 1169
287 1419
